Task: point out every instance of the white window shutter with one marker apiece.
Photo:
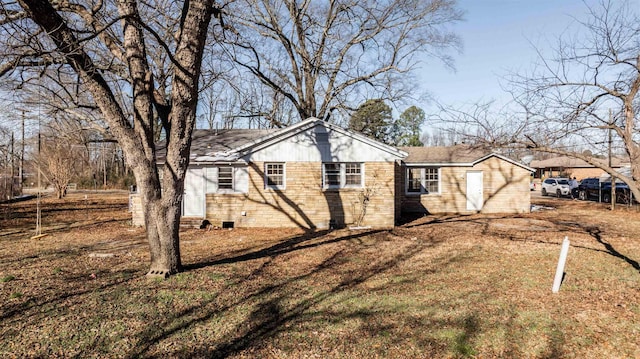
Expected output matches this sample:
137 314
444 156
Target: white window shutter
211 179
241 177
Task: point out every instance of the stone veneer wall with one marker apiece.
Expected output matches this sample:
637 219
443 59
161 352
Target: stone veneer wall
304 203
505 190
581 173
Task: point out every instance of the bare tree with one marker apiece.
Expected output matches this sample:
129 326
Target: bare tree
57 163
6 164
107 46
235 102
323 56
574 101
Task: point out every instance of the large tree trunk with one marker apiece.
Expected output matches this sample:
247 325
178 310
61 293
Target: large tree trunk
162 219
135 131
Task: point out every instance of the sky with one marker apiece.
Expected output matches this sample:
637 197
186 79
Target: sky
499 37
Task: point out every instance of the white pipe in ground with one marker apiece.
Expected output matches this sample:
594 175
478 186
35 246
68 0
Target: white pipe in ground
560 269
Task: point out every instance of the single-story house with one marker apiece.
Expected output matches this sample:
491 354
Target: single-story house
316 174
313 174
564 166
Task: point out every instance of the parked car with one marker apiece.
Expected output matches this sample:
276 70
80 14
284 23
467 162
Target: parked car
557 186
589 188
592 188
532 186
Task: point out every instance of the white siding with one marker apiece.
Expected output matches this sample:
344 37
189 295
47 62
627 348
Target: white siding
308 147
241 178
211 179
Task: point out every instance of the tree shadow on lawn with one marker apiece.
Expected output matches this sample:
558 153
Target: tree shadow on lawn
593 231
272 309
279 307
275 306
475 218
287 246
75 282
12 311
28 211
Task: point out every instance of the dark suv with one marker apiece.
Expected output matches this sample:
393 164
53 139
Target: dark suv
589 188
592 188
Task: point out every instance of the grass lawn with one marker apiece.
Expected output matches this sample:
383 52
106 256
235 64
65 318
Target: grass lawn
440 286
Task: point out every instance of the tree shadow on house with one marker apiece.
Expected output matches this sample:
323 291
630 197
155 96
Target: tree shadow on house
320 177
504 186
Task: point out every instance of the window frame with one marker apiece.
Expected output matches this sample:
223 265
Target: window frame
283 175
425 183
343 175
233 179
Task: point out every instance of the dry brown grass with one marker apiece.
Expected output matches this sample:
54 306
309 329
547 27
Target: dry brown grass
440 286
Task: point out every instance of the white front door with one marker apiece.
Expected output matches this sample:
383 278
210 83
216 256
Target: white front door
193 200
475 199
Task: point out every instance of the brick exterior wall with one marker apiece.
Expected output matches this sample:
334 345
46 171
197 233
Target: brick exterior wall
505 190
578 172
582 173
304 203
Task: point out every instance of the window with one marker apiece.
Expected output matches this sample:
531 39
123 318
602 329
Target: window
331 174
225 178
423 180
414 183
342 175
353 176
274 175
431 181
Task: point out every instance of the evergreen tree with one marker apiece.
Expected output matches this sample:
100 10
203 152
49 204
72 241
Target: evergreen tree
373 119
406 130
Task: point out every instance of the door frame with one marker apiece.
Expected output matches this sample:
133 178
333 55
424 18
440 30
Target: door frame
475 190
194 191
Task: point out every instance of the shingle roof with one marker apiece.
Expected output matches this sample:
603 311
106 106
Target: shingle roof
212 141
209 142
570 162
443 154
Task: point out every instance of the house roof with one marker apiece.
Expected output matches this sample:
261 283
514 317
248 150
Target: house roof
310 123
570 162
208 143
229 145
459 155
443 154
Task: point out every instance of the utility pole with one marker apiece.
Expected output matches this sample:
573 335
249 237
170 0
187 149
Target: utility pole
21 169
104 169
613 179
38 210
12 164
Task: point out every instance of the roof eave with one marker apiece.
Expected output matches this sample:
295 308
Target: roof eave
493 154
311 122
438 164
